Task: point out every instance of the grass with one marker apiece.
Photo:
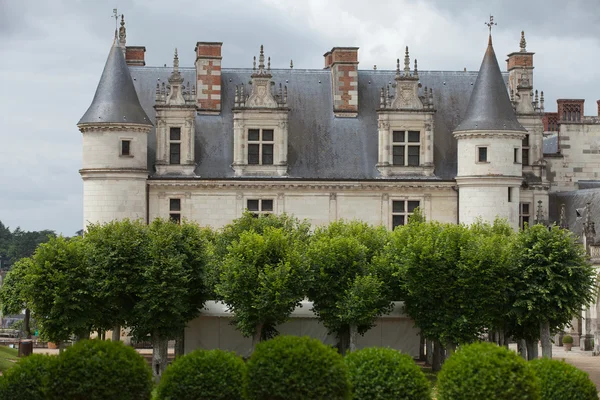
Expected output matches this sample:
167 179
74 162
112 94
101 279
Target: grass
8 357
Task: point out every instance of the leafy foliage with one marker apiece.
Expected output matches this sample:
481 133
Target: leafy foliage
561 381
567 339
98 370
385 374
486 371
204 375
262 280
14 287
296 368
28 379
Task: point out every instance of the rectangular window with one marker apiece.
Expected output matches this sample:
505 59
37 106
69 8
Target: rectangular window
516 155
259 206
125 147
175 146
175 210
261 146
482 154
404 150
510 195
524 214
401 210
525 151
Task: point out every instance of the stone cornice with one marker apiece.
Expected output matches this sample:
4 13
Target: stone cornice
388 185
101 127
489 180
102 173
486 134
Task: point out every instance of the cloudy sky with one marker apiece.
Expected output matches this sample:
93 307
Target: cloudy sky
52 54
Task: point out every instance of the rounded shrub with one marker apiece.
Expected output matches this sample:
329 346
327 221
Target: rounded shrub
296 368
204 375
486 371
567 339
27 379
96 369
385 374
562 381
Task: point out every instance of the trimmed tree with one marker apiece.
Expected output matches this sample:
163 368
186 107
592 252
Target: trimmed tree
348 291
555 280
14 290
262 281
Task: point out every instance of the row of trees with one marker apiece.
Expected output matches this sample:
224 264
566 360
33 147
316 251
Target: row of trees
18 243
457 282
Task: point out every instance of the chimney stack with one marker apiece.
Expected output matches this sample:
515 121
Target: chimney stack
208 74
135 55
343 63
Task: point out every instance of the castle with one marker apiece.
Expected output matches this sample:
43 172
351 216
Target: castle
206 143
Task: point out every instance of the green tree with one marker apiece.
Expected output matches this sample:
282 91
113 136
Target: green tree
24 243
171 289
555 280
13 292
59 290
116 255
347 289
262 281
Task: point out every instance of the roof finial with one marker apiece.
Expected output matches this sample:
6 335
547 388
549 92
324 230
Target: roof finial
291 64
406 62
122 31
490 25
397 67
254 64
261 59
269 64
175 61
416 70
116 17
523 43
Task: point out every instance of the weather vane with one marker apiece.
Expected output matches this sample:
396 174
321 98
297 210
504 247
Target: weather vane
116 17
491 23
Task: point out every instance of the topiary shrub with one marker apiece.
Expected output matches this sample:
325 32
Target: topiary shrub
486 371
27 379
204 375
567 339
296 368
385 374
99 370
561 381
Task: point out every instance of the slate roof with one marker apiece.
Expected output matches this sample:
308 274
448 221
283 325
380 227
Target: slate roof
320 146
116 99
573 201
489 105
551 144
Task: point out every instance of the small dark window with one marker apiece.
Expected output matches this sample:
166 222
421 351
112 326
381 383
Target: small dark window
414 136
125 147
174 153
398 155
398 206
413 156
525 156
175 134
267 135
525 208
398 136
509 194
267 205
174 204
526 141
253 134
516 155
267 156
412 205
253 154
397 220
252 205
175 217
482 154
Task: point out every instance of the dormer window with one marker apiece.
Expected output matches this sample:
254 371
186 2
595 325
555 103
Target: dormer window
406 148
175 146
260 146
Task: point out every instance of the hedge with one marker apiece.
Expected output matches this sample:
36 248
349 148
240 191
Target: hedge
28 379
561 381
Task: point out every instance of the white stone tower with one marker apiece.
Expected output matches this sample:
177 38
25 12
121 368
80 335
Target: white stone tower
489 149
115 142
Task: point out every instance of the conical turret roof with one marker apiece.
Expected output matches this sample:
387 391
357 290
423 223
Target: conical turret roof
116 100
489 107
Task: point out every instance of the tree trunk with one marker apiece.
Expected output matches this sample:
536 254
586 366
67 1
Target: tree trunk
256 338
522 348
422 348
451 348
443 355
532 349
160 354
429 352
353 337
545 338
180 344
26 323
500 337
436 364
116 333
83 335
344 341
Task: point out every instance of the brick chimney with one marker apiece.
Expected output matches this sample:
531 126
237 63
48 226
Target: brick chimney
343 63
570 110
135 55
208 73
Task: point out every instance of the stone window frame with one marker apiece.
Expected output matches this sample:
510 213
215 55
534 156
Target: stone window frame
524 216
478 154
405 144
406 211
260 206
175 209
517 154
174 142
130 148
261 143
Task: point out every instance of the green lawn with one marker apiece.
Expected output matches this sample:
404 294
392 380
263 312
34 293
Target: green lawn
8 357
